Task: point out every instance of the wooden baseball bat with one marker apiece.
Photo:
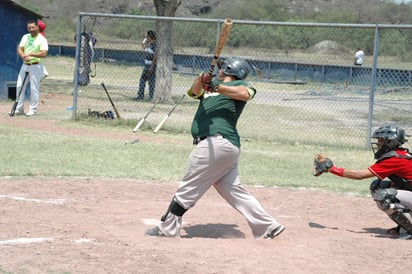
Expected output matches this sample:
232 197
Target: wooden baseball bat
23 86
111 102
144 118
224 34
167 116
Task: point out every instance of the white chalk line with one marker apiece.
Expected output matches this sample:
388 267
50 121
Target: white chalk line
45 201
84 241
151 221
20 241
25 240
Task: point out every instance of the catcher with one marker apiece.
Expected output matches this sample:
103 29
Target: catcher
394 195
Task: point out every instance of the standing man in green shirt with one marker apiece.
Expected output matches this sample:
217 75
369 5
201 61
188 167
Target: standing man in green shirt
214 160
33 47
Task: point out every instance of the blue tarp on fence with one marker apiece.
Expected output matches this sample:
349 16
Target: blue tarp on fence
266 70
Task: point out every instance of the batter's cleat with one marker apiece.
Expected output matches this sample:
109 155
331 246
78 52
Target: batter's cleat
154 232
404 235
275 232
30 113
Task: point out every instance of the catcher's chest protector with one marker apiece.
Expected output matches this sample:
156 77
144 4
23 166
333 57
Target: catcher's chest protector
399 182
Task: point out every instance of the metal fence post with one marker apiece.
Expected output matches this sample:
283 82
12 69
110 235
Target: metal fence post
373 88
76 68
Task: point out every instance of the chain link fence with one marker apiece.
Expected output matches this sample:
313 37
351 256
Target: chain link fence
309 90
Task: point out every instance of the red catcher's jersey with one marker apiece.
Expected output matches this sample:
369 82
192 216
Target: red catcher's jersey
401 167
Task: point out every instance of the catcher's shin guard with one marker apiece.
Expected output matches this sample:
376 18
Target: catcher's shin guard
174 208
402 218
387 201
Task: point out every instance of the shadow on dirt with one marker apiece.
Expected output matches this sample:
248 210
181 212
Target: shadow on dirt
215 231
378 232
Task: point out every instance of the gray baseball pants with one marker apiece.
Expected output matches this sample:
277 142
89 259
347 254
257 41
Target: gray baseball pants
35 75
214 162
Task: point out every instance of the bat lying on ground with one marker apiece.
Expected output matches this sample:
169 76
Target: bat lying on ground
167 116
145 117
111 102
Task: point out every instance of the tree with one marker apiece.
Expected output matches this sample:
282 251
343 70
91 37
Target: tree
164 29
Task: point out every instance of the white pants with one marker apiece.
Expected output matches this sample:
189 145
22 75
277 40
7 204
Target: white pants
214 162
35 74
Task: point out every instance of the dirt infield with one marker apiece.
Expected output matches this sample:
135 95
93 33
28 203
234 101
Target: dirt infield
51 225
79 225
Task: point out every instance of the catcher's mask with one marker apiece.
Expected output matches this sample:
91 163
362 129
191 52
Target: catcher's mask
389 138
235 66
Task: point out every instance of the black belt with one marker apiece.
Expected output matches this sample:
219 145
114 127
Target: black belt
35 63
197 140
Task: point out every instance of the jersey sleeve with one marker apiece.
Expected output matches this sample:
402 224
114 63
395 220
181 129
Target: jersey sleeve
23 41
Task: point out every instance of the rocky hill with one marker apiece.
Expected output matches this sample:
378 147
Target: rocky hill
70 8
189 8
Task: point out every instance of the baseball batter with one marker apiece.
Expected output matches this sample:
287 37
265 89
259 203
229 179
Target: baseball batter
32 48
214 160
393 196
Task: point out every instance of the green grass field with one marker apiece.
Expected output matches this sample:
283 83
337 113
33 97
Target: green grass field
53 154
38 153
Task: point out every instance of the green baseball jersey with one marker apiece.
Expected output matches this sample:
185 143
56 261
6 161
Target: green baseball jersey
218 114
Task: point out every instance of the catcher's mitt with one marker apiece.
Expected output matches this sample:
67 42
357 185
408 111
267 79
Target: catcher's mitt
321 164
